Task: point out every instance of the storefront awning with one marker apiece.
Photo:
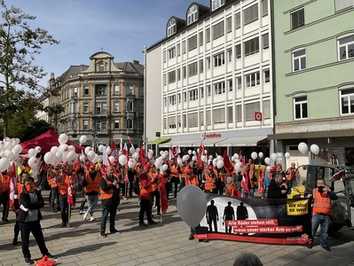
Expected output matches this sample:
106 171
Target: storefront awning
160 141
314 135
250 141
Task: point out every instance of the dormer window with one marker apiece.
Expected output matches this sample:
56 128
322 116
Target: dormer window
215 4
192 14
101 66
171 27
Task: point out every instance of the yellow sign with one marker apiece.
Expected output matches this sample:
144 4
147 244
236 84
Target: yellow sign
297 208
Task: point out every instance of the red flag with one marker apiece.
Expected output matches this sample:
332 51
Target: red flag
142 157
227 164
113 146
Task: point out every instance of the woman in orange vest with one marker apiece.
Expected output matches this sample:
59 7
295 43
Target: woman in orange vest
209 175
175 177
153 175
145 195
5 195
63 186
186 172
54 194
91 184
231 190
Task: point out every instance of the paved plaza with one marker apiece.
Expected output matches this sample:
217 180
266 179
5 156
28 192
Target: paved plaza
165 244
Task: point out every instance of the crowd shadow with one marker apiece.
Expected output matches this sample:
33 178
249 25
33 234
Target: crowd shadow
86 248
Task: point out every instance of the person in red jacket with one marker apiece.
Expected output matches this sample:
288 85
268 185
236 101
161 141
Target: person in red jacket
91 186
5 195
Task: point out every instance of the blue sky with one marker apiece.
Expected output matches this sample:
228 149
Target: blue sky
121 27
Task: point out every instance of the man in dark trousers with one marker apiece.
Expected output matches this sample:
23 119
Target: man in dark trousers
229 215
241 212
110 199
212 216
28 217
145 196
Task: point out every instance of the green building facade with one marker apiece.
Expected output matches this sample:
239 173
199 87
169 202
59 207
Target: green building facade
313 49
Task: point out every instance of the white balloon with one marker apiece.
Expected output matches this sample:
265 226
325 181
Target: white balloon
260 155
32 152
194 158
236 156
215 162
268 168
164 167
111 159
91 155
101 148
279 160
71 156
267 161
108 150
63 147
33 163
9 155
131 150
189 152
179 161
131 163
287 155
17 149
220 164
4 164
158 162
71 148
161 153
54 149
279 155
87 150
38 149
122 159
135 156
273 157
63 139
83 139
303 148
48 158
82 158
315 149
254 155
59 154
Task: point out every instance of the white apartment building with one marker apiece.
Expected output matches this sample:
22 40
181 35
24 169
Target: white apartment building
215 78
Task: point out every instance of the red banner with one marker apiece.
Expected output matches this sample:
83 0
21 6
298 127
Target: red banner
269 230
260 222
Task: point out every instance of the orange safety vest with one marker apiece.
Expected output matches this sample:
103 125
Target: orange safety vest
145 192
192 181
63 186
92 185
209 184
106 195
154 185
322 203
5 184
232 191
52 182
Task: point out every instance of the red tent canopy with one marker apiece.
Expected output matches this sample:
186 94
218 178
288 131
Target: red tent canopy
46 141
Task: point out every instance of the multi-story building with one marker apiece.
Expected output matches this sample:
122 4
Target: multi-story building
103 100
213 74
314 81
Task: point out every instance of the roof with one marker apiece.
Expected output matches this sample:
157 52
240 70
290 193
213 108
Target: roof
131 67
205 13
73 70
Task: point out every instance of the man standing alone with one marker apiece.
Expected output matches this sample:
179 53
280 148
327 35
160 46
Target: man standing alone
212 216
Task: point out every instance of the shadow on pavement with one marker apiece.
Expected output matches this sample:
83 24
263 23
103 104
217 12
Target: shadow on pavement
87 248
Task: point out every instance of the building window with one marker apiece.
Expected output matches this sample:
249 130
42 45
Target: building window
164 79
208 117
342 4
300 108
164 56
172 100
230 85
219 88
165 123
192 15
299 60
266 76
346 47
178 49
264 7
238 51
179 97
129 88
250 14
209 90
171 122
347 101
266 109
116 124
201 38
179 74
250 110
171 77
208 62
184 96
237 20
239 83
172 53
201 93
85 124
193 69
297 18
229 24
201 118
116 107
100 125
218 30
207 35
100 90
193 95
116 89
85 107
192 43
238 113
230 114
265 41
171 27
251 46
184 72
130 106
201 66
165 101
215 4
192 120
219 59
101 66
101 108
219 116
86 91
183 47
129 123
252 80
184 120
229 55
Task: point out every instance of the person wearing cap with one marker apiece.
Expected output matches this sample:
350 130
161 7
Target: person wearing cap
29 216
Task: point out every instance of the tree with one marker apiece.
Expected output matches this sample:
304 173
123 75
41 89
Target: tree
20 43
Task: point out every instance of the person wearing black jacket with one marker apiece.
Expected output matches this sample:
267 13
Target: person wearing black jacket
29 216
110 199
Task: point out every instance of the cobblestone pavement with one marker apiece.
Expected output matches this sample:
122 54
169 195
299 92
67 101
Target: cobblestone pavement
165 244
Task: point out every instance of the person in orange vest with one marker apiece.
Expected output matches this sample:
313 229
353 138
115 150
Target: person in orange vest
185 173
175 175
231 190
145 196
63 186
192 179
321 211
91 184
54 194
154 177
291 174
5 195
209 185
110 199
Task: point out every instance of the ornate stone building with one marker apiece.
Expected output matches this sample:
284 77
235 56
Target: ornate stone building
103 100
